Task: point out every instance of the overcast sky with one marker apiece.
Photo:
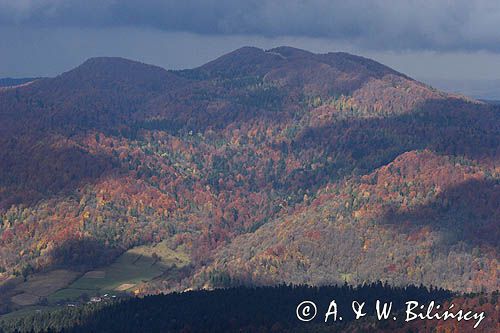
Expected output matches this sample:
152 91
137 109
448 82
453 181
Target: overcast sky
425 39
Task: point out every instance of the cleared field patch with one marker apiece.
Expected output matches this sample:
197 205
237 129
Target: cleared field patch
135 266
69 294
25 299
95 274
41 285
125 286
167 257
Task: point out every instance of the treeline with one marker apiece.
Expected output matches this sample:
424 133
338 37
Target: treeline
241 309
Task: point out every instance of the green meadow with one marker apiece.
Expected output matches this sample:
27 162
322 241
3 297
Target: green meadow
135 266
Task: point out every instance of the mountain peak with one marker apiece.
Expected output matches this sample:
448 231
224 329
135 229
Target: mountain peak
113 71
290 52
243 61
286 59
116 66
107 60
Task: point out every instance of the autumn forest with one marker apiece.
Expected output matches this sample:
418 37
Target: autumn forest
261 167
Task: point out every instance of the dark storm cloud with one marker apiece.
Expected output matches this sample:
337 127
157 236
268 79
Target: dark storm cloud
460 25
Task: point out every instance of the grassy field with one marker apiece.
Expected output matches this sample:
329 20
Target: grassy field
26 294
137 265
42 285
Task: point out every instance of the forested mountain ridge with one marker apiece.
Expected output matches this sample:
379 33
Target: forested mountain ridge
251 163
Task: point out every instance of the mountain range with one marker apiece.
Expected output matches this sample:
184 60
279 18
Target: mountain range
262 166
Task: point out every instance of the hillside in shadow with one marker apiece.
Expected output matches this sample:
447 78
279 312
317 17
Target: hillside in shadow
468 212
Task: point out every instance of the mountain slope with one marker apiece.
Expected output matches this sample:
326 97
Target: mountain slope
422 218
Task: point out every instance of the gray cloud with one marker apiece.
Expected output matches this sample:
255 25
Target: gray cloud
460 25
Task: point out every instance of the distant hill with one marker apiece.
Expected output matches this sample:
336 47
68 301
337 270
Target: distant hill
10 82
480 89
491 101
264 166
